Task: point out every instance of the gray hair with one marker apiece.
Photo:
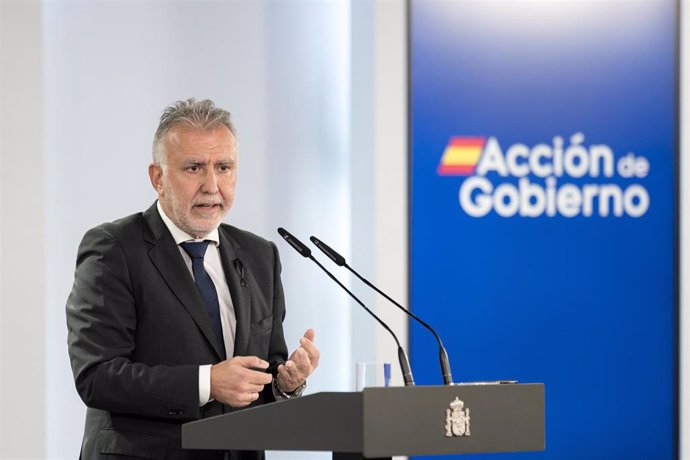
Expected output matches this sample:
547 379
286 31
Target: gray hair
196 114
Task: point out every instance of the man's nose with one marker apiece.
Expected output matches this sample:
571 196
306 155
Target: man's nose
210 183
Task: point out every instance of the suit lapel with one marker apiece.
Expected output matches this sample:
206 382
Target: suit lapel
166 257
231 259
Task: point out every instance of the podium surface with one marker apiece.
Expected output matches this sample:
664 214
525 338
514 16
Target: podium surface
383 422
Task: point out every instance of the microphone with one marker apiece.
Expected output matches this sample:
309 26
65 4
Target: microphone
306 252
239 267
340 261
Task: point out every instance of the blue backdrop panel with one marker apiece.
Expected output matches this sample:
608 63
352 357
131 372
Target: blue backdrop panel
542 211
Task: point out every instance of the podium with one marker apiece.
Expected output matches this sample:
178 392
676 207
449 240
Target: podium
379 423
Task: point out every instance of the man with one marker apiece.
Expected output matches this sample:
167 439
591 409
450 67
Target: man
174 316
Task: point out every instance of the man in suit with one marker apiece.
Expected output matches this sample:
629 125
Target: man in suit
173 315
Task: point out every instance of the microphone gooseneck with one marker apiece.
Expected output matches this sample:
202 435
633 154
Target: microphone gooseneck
408 379
340 261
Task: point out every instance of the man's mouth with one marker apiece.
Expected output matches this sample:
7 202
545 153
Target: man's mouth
207 206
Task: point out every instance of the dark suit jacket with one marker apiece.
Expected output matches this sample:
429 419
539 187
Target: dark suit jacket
138 331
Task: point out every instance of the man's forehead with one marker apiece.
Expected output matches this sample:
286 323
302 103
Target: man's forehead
191 138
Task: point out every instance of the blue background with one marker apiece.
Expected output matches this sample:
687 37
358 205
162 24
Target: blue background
585 304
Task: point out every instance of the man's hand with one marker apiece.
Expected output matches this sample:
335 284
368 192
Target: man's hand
238 381
301 364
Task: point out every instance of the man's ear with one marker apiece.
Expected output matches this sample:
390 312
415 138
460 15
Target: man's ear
156 176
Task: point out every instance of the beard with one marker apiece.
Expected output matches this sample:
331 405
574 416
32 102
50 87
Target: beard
198 218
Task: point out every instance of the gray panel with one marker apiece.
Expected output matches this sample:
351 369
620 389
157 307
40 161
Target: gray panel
320 422
411 421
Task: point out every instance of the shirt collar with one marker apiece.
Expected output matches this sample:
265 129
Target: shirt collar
179 235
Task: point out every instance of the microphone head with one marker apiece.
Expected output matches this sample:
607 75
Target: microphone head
294 242
334 256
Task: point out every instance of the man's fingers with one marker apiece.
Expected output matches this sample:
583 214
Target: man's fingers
243 399
239 376
298 367
253 388
309 334
307 342
302 358
301 364
251 362
258 377
289 370
310 348
253 369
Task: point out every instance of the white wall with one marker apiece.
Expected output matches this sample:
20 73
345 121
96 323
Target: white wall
83 84
22 291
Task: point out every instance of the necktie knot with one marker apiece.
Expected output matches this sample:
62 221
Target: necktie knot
195 249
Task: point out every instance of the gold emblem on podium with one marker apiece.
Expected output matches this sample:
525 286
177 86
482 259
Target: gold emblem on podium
457 419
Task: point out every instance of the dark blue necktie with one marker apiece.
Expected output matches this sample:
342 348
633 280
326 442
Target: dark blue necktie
207 289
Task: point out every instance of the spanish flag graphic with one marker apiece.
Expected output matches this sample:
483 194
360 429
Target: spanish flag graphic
461 156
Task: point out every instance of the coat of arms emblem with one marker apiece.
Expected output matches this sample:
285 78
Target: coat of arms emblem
457 419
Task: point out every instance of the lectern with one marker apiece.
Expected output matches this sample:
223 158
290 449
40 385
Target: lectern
378 423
